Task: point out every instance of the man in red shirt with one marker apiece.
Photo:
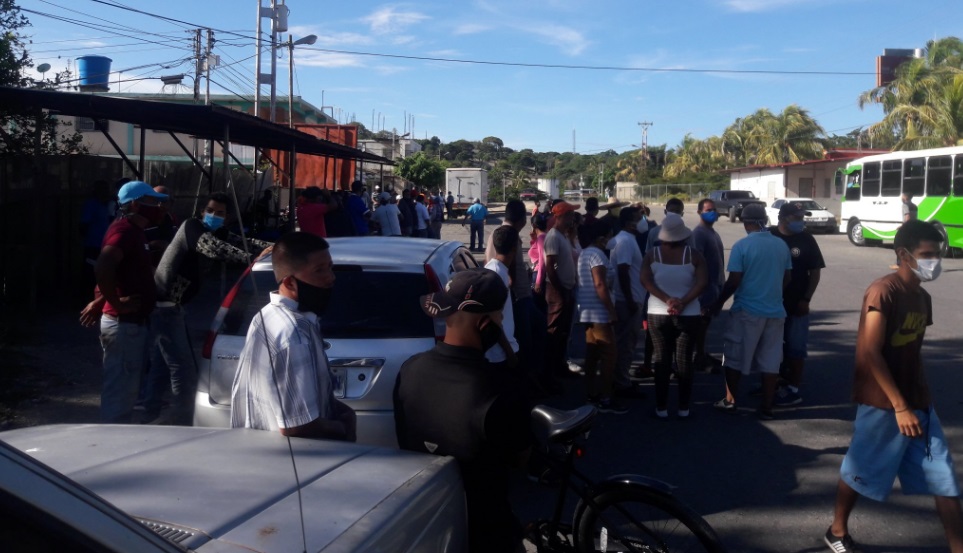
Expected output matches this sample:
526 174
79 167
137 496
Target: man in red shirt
311 213
125 278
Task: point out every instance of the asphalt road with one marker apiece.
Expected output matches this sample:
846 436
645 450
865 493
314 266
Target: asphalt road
770 486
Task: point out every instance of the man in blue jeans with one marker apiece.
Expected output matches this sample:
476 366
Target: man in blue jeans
477 212
125 280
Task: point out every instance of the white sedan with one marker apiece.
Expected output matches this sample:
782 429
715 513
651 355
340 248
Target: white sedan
817 217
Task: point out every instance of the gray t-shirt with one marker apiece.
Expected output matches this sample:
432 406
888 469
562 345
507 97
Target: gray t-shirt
708 242
387 217
558 244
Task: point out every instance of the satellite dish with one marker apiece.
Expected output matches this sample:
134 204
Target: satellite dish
43 68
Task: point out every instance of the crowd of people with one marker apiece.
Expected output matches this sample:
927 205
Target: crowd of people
509 328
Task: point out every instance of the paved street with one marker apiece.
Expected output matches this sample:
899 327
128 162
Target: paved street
764 486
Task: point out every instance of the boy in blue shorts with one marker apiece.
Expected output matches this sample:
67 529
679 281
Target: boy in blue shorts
897 432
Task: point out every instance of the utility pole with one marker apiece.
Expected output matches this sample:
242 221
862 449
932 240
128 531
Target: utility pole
197 77
645 149
278 14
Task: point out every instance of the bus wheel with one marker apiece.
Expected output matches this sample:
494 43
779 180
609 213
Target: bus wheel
855 232
945 249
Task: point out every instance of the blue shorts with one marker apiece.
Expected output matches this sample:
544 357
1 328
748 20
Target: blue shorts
795 337
879 453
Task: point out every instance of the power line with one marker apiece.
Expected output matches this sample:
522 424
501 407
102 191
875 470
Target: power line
91 26
165 18
115 26
594 67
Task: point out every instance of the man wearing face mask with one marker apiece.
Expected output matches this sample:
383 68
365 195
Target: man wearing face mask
759 269
178 279
126 285
449 401
897 431
283 382
708 242
807 262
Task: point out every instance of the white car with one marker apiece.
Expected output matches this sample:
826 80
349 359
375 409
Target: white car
117 488
818 218
373 324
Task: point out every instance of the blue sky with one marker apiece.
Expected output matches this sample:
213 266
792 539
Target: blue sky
527 106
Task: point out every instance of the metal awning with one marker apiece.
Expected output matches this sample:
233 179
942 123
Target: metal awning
204 122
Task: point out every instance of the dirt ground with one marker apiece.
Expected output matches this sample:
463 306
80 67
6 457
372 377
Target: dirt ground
50 372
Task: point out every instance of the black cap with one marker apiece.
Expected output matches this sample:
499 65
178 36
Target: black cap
475 290
790 209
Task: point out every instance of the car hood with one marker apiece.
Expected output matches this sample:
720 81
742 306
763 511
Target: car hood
234 489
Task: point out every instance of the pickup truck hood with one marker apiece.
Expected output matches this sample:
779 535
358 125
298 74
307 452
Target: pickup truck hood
234 490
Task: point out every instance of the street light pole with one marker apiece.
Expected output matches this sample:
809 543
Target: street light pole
310 39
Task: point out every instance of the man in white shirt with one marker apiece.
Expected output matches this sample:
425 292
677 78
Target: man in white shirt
421 214
626 258
283 382
505 240
560 286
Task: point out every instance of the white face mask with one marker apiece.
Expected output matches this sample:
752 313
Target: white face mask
927 269
642 226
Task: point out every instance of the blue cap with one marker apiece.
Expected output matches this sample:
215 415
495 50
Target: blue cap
134 190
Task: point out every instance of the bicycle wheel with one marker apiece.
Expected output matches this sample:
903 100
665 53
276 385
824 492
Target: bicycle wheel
641 520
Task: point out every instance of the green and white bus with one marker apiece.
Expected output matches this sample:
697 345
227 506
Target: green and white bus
872 209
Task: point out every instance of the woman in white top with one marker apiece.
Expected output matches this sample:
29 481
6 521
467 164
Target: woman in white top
675 275
597 313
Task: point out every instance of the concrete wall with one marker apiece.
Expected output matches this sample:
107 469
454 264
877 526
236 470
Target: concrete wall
816 180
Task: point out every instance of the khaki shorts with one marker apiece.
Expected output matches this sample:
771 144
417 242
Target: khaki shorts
753 344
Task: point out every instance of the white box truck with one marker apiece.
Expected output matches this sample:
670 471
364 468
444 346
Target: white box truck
466 184
549 187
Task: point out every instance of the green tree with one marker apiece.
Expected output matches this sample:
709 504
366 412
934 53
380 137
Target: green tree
789 137
422 170
22 131
923 106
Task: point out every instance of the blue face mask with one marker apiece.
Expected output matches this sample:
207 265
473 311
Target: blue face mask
213 222
710 216
796 227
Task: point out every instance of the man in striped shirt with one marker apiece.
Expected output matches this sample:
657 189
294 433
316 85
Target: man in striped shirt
283 381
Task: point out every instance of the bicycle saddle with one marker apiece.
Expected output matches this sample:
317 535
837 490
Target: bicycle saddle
556 425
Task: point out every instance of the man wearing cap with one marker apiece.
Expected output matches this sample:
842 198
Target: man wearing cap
387 216
449 401
477 213
125 278
807 262
759 269
560 285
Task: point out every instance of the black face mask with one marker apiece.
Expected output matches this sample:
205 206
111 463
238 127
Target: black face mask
490 334
312 298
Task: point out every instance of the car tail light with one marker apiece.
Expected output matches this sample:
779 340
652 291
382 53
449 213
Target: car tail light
221 313
434 285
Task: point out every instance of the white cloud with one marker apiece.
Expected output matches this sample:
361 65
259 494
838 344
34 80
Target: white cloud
390 20
308 58
571 41
444 53
767 5
390 69
470 29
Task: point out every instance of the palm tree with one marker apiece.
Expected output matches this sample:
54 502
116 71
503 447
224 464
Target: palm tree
789 137
923 105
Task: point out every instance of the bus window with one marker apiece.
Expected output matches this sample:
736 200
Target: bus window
958 175
871 179
892 175
913 176
938 176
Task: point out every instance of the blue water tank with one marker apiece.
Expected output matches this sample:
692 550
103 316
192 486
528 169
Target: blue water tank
94 72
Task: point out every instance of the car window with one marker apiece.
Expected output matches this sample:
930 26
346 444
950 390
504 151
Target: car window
778 203
364 304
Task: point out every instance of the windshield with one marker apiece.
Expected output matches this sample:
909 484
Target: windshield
808 205
741 195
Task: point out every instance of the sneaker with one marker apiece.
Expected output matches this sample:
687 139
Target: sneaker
641 372
765 414
725 405
786 397
611 406
662 415
683 414
574 367
844 544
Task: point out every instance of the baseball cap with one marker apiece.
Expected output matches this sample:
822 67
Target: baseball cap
135 190
475 290
790 209
563 207
673 228
754 212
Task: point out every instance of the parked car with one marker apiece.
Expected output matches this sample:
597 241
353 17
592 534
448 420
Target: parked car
115 488
732 202
373 324
818 218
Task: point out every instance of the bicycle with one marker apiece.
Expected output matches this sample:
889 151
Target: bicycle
625 513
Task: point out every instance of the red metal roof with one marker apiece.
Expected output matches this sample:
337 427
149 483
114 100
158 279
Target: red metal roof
831 156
